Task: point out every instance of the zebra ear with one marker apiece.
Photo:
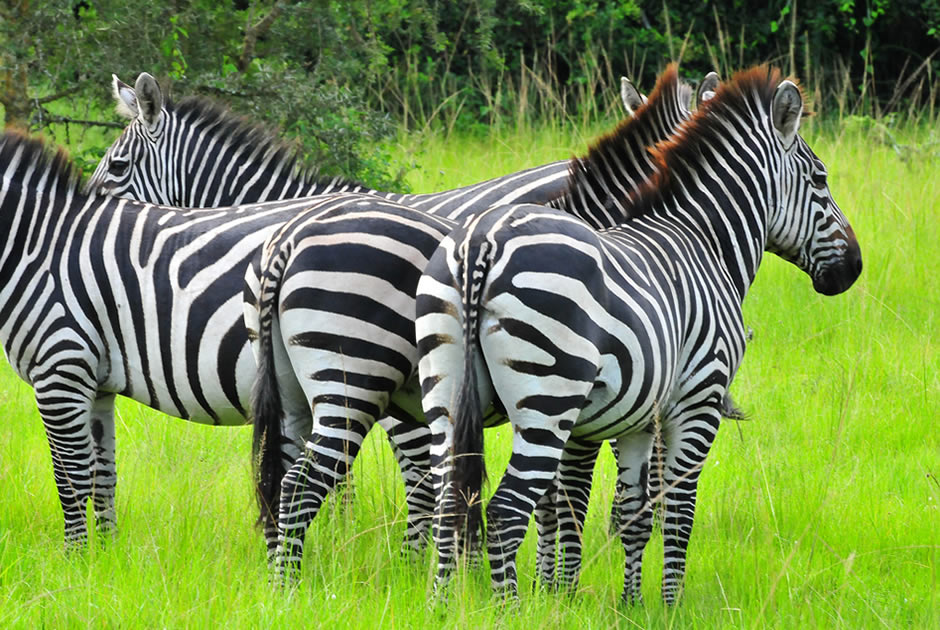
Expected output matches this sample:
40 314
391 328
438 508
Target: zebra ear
786 110
707 88
124 97
631 97
149 99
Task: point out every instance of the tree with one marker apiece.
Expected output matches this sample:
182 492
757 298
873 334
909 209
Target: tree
290 64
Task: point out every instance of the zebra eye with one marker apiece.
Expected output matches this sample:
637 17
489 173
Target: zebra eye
819 179
118 167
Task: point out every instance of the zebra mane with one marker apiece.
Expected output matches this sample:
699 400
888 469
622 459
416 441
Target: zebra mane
35 160
245 132
748 92
597 174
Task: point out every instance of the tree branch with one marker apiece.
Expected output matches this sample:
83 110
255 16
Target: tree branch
87 123
54 97
252 34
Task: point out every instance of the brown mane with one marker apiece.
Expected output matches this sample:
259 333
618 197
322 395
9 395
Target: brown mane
734 99
630 137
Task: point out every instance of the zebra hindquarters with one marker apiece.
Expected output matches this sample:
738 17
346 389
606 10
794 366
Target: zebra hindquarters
444 359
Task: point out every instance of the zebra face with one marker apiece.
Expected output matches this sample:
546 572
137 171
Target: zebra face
132 168
806 226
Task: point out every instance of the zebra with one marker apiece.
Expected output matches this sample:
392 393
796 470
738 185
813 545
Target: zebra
198 154
326 287
585 336
102 296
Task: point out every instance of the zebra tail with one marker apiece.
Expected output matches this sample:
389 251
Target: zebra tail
266 405
469 466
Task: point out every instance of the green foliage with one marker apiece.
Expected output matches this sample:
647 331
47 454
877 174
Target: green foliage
334 74
822 511
304 71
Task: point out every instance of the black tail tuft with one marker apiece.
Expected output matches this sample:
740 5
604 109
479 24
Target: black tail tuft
267 409
469 466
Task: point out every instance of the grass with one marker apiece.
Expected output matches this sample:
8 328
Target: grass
819 511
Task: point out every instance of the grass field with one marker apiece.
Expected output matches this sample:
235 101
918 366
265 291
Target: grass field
821 510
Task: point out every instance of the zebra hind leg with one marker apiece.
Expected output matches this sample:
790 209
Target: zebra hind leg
575 474
546 524
633 507
327 458
536 452
411 442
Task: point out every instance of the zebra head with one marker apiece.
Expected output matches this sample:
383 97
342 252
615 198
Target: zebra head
805 225
132 167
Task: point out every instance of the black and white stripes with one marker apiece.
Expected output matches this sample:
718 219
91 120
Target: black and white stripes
314 307
585 336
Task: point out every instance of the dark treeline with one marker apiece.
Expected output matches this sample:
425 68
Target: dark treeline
341 76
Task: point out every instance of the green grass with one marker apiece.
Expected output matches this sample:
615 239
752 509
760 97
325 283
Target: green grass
819 511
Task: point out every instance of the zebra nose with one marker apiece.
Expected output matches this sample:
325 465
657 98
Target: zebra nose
858 262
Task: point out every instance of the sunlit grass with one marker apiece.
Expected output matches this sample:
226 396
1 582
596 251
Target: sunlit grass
821 510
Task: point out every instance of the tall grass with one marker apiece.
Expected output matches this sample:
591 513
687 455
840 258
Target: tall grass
819 511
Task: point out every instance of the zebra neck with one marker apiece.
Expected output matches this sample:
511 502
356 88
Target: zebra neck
726 214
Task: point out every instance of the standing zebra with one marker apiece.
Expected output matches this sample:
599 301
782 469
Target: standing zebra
196 154
102 296
586 336
335 327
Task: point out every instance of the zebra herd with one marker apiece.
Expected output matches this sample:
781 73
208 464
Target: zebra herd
203 272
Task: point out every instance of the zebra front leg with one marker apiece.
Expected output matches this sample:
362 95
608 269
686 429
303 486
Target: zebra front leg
66 419
327 458
686 446
574 475
633 507
104 471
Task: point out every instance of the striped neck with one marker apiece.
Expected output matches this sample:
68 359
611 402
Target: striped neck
719 179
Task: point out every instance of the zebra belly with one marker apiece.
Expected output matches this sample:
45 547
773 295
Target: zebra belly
218 393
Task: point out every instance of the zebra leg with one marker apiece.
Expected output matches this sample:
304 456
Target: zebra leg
65 416
655 485
546 525
296 424
536 451
411 442
633 508
327 458
574 475
444 524
104 472
686 446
